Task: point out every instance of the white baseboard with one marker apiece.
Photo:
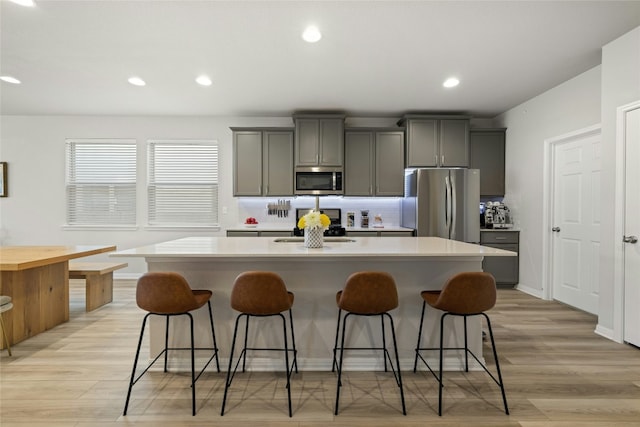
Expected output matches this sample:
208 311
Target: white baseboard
606 332
531 291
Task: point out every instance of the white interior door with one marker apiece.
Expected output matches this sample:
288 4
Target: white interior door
632 229
576 221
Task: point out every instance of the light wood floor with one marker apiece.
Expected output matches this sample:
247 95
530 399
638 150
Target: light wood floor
557 372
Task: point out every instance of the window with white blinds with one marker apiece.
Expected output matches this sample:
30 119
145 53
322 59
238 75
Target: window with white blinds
183 183
101 182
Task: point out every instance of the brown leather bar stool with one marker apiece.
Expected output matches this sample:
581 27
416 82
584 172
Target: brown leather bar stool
168 294
367 293
261 294
465 294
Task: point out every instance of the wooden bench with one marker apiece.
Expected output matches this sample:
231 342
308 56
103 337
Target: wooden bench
99 280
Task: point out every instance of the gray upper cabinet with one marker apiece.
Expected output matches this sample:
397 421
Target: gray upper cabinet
374 162
262 161
436 141
319 140
486 152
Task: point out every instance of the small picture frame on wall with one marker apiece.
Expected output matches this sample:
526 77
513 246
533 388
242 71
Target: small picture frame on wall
3 179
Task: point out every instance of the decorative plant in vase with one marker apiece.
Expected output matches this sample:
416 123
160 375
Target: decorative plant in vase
314 223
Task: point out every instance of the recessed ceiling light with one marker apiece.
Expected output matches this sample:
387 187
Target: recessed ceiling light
136 81
203 80
27 3
311 34
451 82
10 79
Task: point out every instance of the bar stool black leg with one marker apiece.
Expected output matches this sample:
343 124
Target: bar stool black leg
246 335
495 356
293 342
166 342
415 363
193 372
286 361
440 384
384 344
395 348
344 326
213 335
135 364
335 345
228 382
466 346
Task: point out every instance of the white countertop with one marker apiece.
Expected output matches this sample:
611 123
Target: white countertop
263 247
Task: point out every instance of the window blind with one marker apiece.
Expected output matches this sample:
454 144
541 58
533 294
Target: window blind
101 182
183 183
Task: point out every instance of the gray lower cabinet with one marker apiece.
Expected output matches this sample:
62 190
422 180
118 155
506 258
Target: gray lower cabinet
262 161
319 140
374 162
259 233
504 269
487 153
436 141
379 233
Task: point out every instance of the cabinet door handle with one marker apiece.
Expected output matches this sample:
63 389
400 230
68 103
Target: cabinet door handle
501 238
435 159
443 159
556 229
630 239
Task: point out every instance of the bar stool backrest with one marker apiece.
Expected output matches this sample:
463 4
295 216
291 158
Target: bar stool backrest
260 293
468 293
165 293
369 292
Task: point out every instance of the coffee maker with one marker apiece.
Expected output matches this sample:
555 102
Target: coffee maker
497 215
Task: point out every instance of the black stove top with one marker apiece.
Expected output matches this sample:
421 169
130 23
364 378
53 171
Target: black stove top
335 215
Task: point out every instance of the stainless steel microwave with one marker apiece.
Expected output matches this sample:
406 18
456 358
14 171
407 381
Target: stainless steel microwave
319 180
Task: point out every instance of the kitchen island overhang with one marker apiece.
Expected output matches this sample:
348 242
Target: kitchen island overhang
314 276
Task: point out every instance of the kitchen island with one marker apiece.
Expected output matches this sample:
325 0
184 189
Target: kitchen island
314 276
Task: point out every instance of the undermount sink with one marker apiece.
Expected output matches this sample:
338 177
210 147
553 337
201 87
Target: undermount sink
301 239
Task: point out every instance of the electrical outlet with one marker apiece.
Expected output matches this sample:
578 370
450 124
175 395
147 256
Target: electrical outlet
225 210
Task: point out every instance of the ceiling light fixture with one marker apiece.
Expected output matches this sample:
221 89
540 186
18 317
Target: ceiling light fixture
27 3
136 81
311 34
10 79
451 82
203 80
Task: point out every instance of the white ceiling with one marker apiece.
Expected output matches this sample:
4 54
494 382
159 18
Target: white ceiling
375 58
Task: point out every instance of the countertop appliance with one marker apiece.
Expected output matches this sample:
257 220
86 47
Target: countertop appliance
442 202
335 228
497 215
318 181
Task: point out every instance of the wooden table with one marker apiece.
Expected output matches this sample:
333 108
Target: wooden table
37 280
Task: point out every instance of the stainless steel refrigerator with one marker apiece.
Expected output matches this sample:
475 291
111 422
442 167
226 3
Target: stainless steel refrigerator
443 203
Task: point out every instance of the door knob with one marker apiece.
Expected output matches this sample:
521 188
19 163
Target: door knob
630 239
556 229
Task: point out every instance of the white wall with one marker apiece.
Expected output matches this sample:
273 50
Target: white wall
572 105
620 86
34 149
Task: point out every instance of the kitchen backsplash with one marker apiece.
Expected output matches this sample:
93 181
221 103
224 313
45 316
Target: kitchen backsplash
388 208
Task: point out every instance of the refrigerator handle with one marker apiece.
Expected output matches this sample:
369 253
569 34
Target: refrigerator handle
454 208
447 205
